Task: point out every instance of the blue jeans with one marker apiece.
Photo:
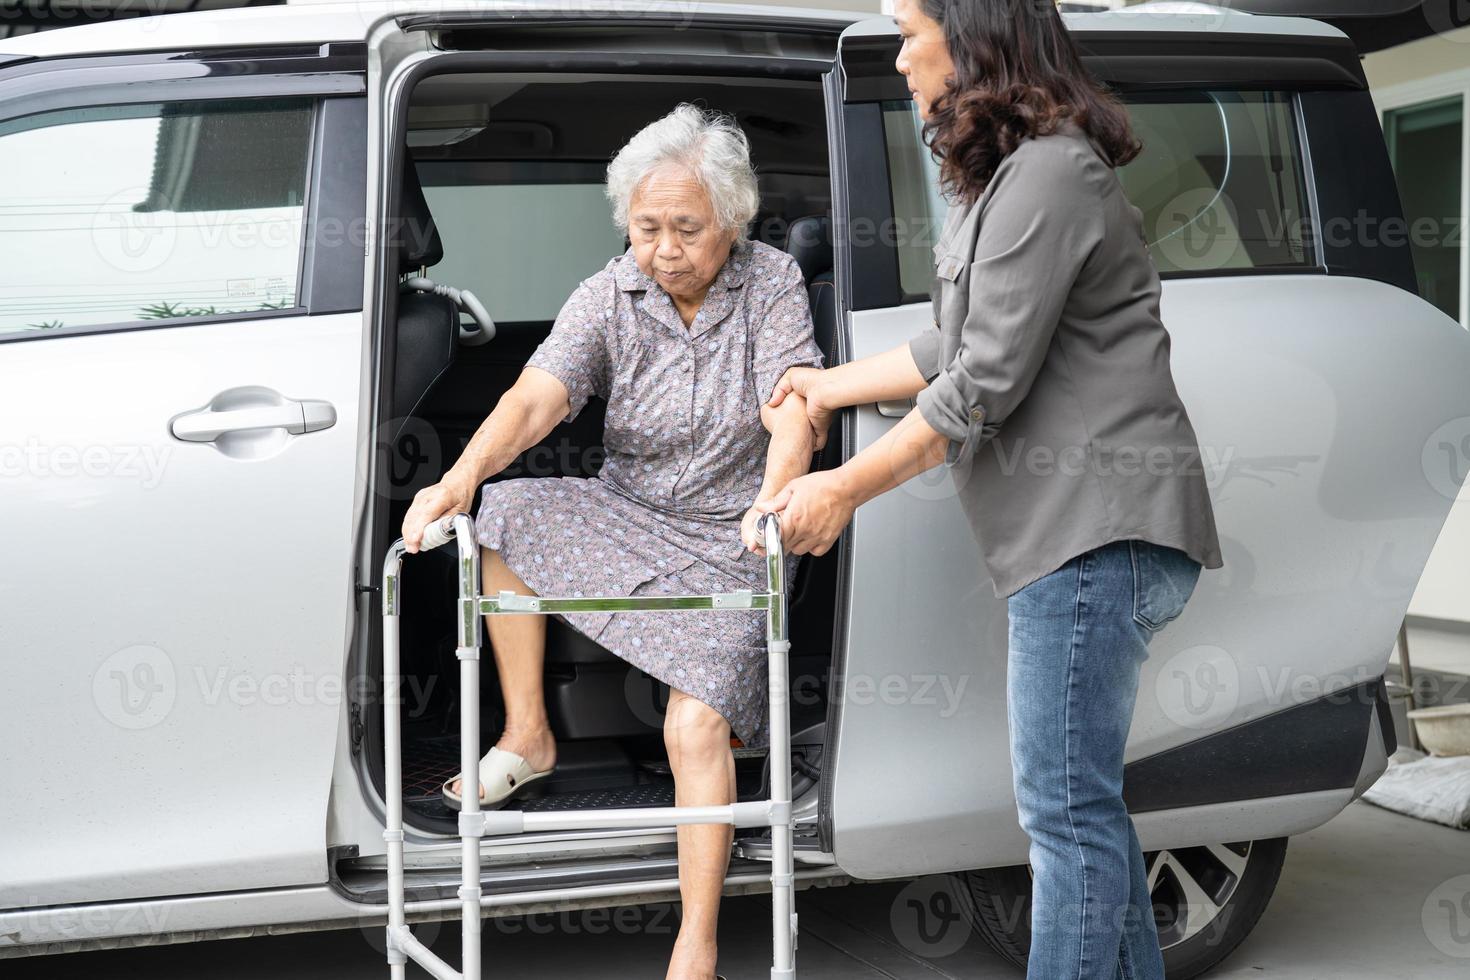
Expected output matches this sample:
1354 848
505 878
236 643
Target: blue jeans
1078 637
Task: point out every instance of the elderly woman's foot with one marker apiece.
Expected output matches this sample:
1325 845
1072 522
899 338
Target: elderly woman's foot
537 747
692 961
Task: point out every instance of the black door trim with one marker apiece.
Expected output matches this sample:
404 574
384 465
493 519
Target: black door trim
1150 60
1308 747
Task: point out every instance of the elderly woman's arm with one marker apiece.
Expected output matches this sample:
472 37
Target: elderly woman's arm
789 456
521 418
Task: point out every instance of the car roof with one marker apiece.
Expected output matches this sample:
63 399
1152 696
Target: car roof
321 21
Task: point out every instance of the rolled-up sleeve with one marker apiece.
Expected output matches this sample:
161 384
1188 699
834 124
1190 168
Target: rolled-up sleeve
575 351
1039 226
925 351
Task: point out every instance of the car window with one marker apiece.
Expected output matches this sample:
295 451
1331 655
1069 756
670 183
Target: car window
1219 182
519 235
919 209
116 214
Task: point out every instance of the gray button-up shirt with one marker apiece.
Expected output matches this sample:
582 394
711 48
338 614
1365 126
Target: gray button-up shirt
1049 370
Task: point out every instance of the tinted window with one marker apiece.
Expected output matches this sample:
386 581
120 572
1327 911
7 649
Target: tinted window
113 214
521 235
1219 182
1424 144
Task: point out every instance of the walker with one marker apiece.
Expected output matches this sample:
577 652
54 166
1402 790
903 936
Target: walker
474 823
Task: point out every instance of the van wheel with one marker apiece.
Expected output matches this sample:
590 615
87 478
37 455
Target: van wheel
1206 900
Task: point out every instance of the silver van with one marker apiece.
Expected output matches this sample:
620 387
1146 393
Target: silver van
215 370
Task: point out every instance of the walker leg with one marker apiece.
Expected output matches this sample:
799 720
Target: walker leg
783 907
393 765
470 829
783 904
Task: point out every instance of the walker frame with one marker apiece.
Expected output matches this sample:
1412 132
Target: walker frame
475 823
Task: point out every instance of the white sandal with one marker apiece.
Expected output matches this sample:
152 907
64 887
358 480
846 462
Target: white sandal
501 772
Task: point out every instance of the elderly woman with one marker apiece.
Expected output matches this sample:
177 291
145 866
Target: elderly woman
684 336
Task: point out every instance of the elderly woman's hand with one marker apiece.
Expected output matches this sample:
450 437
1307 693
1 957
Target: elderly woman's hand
750 533
804 381
814 510
451 495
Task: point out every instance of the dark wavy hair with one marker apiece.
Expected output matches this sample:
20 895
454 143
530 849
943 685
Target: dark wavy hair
1017 75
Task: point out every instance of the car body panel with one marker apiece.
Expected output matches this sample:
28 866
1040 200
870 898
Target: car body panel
175 684
1325 523
1319 564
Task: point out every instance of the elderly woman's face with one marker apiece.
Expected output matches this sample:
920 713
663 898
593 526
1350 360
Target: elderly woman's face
675 237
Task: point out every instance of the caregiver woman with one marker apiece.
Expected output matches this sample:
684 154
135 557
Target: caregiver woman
1046 388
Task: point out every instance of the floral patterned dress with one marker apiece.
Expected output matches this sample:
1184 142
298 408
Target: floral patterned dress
685 458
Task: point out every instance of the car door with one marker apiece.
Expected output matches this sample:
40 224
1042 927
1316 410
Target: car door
1330 405
180 351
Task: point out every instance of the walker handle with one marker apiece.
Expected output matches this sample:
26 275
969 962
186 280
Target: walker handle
438 533
774 531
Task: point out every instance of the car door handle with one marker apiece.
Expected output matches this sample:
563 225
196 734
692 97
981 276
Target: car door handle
896 409
296 417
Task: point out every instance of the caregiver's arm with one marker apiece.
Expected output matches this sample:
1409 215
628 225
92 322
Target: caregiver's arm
888 376
816 507
903 452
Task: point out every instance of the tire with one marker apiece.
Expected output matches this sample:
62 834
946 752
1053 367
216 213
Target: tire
1206 900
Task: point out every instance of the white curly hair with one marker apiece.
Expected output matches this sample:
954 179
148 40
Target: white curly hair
709 145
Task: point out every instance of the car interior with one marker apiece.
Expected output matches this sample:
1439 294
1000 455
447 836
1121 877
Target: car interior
504 197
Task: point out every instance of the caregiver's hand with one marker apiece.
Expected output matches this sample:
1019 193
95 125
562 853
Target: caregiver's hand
804 382
814 510
451 495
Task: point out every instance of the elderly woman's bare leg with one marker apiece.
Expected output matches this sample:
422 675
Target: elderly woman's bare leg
519 643
698 740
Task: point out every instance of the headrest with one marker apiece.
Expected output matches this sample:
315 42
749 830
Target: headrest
809 241
418 239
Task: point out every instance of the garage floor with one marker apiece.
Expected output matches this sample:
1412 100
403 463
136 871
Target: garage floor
1371 895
